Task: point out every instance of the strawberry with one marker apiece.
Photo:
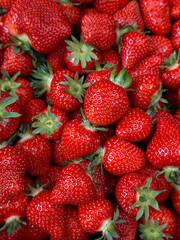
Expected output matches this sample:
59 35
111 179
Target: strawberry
13 63
99 30
50 123
163 150
177 114
109 6
97 215
12 211
106 101
134 47
80 62
177 218
45 215
156 15
135 193
161 44
134 126
171 75
74 186
120 156
6 4
175 12
175 35
160 225
74 231
33 146
105 135
40 24
129 14
13 164
57 156
110 184
9 115
26 182
78 140
175 198
5 37
50 177
149 65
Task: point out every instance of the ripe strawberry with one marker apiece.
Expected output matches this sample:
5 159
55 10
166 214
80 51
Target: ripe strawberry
13 164
105 135
74 186
26 182
50 177
160 225
55 57
175 12
149 65
134 126
156 15
38 151
177 114
99 30
13 63
74 231
129 14
5 37
134 47
110 184
9 115
175 198
177 219
171 75
135 193
109 6
78 140
57 156
50 123
39 24
175 35
163 150
117 160
46 215
6 4
12 211
161 44
106 101
173 3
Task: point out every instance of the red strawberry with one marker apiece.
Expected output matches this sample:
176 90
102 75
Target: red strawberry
161 44
161 224
50 123
6 4
26 182
9 115
38 151
73 186
177 114
78 140
163 150
110 184
13 63
177 233
134 47
134 126
118 160
98 75
57 156
149 65
135 192
109 6
175 198
45 215
38 23
106 101
99 30
74 231
5 37
156 15
105 135
175 12
175 35
129 14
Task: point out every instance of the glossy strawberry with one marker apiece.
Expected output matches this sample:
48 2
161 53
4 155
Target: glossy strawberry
175 198
6 4
175 35
5 37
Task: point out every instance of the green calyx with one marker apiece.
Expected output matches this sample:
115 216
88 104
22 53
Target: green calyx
122 79
156 99
2 11
146 198
108 232
36 190
76 86
99 67
7 84
12 224
42 78
81 52
67 2
153 231
47 123
97 159
3 104
172 61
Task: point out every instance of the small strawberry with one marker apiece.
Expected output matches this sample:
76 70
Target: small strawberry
175 35
156 15
134 126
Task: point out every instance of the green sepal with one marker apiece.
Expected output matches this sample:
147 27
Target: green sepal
47 123
12 225
146 198
98 67
3 104
172 60
2 11
122 79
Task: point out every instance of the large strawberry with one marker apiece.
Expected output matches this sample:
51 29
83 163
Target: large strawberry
6 4
156 15
106 101
40 24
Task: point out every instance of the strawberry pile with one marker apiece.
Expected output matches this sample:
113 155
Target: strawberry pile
89 119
